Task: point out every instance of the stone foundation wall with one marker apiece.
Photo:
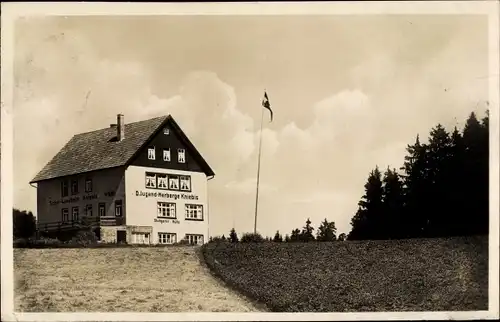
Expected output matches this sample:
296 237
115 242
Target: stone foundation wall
108 234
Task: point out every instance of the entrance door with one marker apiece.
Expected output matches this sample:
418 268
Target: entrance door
121 236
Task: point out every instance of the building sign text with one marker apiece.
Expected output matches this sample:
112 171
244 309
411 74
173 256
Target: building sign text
168 195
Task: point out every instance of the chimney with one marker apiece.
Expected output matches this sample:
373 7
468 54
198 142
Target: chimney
120 127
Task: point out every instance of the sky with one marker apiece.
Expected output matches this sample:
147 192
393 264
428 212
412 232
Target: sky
349 92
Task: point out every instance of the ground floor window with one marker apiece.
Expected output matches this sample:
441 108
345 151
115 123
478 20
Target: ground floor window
194 212
166 210
74 213
64 214
194 239
118 208
167 238
140 238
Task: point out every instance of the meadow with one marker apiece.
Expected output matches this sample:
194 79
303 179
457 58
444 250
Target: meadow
360 276
153 279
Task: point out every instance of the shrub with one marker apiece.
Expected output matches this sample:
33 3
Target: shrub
84 238
252 238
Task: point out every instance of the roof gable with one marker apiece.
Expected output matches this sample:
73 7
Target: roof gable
99 149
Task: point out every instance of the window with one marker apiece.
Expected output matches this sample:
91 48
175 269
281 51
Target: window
166 131
162 181
194 212
102 210
185 183
64 188
167 238
118 208
166 210
173 182
88 185
166 155
194 239
150 180
151 153
181 155
65 214
140 238
88 210
74 213
74 187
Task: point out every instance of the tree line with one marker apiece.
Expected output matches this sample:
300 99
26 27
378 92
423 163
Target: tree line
326 232
442 189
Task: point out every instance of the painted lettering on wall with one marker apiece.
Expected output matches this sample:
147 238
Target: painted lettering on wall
109 194
64 201
167 221
90 197
167 195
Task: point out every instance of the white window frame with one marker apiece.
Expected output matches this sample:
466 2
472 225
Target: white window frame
167 238
162 181
181 155
73 213
88 185
166 131
118 208
173 179
193 212
165 210
65 215
153 182
194 239
151 153
141 238
188 180
88 210
166 155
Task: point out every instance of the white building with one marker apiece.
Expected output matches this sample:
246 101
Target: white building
141 182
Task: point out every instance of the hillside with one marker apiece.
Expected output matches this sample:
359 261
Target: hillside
398 275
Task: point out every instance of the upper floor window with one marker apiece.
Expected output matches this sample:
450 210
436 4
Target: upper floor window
185 183
173 182
181 155
166 210
74 187
102 209
150 180
166 131
162 181
151 153
166 155
64 188
88 185
194 212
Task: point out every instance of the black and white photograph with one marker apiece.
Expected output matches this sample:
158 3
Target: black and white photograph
337 161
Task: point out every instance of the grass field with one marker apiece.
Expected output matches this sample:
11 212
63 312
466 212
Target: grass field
120 279
408 275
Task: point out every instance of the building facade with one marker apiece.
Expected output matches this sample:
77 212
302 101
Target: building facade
140 183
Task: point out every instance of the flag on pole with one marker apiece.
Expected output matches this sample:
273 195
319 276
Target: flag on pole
266 104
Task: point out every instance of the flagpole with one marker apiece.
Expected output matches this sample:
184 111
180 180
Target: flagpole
258 173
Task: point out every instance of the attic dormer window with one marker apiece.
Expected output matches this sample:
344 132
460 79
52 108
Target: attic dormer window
181 156
151 153
166 131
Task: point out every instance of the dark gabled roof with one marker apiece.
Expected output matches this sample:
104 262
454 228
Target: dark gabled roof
99 149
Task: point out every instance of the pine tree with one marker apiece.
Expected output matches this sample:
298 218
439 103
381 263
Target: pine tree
277 237
233 236
287 238
326 231
295 237
366 223
307 232
392 197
